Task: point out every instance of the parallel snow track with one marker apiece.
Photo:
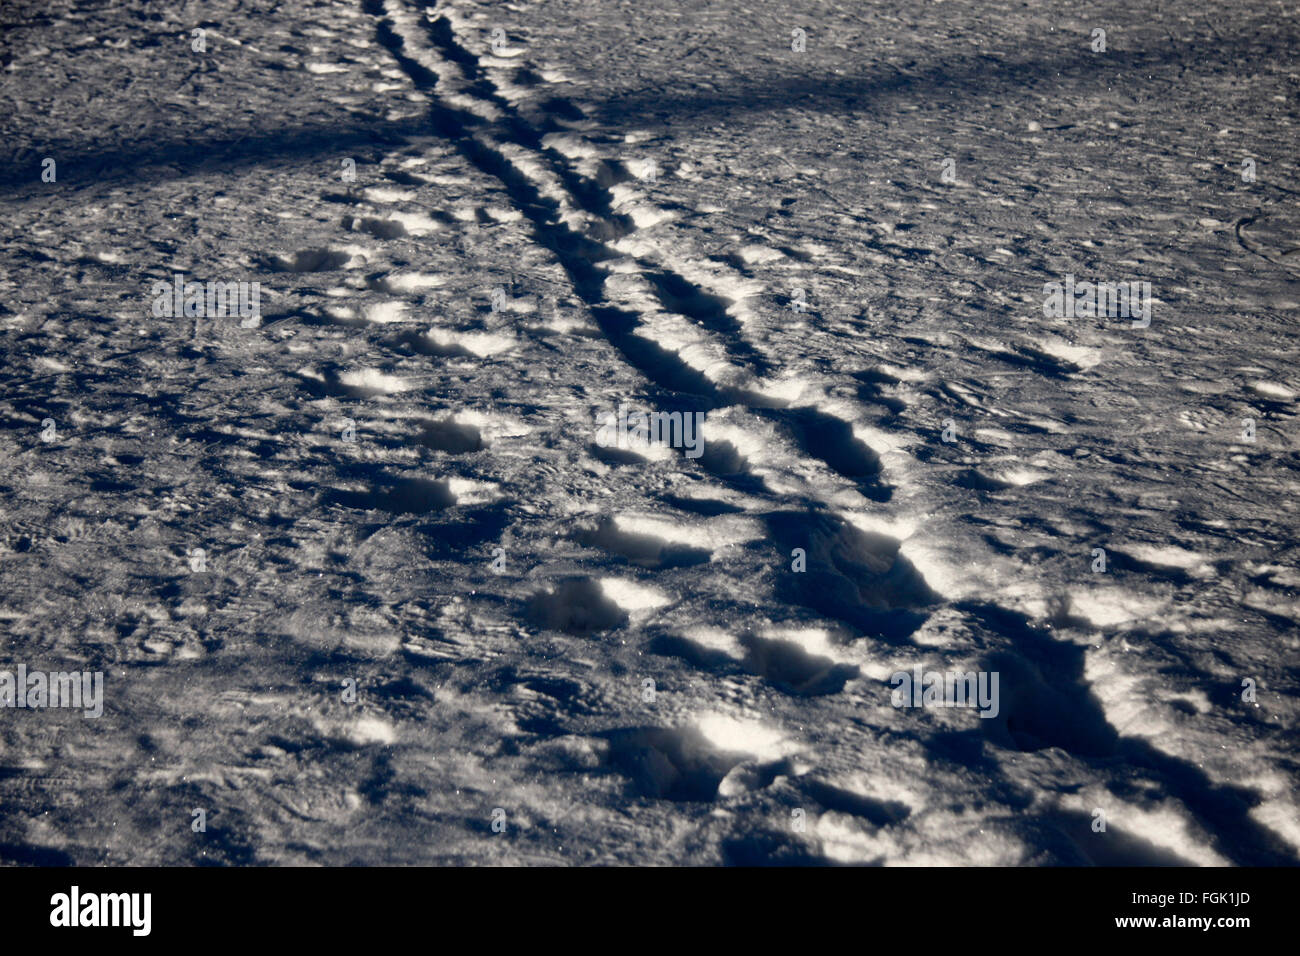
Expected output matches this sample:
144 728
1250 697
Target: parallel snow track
576 218
572 216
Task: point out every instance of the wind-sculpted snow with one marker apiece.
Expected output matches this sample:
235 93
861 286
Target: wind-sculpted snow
635 393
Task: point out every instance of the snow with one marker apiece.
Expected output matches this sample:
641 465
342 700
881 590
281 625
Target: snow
644 655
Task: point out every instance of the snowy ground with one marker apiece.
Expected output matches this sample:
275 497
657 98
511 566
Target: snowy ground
395 480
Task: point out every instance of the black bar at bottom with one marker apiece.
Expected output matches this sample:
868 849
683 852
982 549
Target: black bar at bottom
338 906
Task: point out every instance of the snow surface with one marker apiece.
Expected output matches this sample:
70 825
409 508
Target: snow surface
395 477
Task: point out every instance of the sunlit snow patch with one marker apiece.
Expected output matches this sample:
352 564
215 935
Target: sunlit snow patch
731 735
481 344
413 281
1111 606
1022 476
415 223
632 597
373 380
1273 390
387 194
371 730
382 313
466 491
1079 356
1169 556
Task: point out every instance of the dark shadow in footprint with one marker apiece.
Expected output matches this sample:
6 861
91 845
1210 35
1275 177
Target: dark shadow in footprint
403 178
450 436
769 848
697 655
880 813
562 108
1119 561
471 530
870 390
616 456
976 481
708 507
973 750
665 764
662 366
1224 809
852 576
1044 700
526 77
722 458
379 228
611 172
831 440
643 550
401 689
421 344
576 606
793 669
1043 363
399 496
307 260
1111 847
334 387
709 310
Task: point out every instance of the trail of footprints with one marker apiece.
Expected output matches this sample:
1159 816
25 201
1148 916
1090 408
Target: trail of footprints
855 578
687 342
573 212
691 344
